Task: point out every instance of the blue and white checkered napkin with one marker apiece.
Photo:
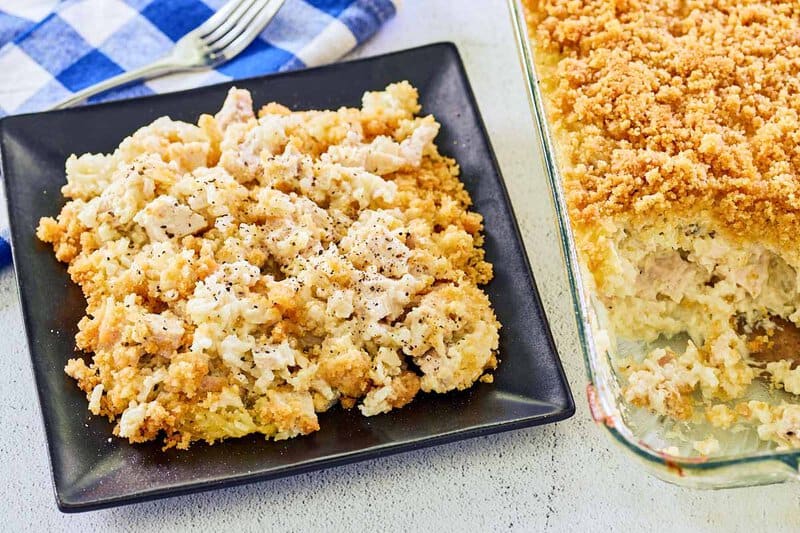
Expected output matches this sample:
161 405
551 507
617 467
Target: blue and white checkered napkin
50 49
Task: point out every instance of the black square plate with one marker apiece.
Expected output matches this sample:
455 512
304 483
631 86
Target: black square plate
92 471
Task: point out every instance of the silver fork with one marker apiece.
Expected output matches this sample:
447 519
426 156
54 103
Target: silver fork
219 39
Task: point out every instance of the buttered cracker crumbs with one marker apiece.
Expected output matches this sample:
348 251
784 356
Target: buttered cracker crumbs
678 124
246 273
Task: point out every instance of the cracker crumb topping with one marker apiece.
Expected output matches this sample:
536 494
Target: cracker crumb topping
676 105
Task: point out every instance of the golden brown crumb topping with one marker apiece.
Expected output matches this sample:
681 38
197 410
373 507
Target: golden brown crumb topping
676 104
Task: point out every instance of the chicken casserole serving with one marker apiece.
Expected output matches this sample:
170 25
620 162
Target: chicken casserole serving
248 272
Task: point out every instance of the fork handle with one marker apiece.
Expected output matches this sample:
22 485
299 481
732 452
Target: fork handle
154 69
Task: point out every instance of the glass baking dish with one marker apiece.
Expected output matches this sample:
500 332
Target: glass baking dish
743 461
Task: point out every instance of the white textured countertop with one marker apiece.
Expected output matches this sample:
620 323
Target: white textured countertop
560 477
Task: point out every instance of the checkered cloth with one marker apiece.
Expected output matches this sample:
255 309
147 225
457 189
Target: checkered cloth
50 49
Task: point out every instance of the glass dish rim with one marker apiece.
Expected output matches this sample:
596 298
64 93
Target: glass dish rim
598 403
